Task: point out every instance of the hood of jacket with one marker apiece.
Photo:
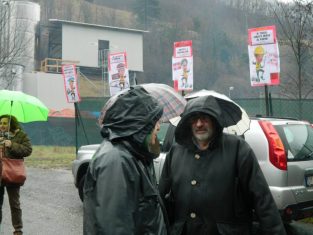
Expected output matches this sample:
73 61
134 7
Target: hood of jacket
204 104
133 116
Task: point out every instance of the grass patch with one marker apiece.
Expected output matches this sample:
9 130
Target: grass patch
51 157
308 220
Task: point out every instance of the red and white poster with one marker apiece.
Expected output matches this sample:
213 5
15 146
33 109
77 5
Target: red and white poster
264 60
182 49
70 83
182 66
118 72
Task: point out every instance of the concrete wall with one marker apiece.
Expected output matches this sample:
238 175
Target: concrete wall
49 88
80 43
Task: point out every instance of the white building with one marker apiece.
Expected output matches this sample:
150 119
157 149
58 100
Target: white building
61 42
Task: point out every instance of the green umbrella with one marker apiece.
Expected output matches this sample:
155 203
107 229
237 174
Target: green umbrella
25 108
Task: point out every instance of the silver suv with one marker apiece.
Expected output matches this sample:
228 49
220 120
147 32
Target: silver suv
283 147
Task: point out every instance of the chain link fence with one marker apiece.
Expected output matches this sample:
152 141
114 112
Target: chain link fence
77 131
85 130
279 108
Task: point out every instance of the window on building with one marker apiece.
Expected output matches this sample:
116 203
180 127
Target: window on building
103 50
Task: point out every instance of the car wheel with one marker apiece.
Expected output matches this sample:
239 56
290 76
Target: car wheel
81 187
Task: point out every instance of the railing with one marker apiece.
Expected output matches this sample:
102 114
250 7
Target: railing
51 65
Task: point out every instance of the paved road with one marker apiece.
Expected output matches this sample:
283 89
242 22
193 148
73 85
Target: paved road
51 206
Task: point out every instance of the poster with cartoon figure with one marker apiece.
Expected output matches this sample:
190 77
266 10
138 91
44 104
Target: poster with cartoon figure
264 61
263 52
118 72
183 72
182 66
70 83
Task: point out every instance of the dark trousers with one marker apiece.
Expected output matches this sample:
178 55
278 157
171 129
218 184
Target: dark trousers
14 201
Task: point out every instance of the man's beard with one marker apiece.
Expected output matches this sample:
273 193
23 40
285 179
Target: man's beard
204 136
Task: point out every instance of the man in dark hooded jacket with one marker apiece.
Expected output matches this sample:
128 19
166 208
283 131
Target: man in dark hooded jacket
120 192
211 181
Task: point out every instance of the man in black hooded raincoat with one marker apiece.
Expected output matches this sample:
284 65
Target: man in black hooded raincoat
120 193
211 181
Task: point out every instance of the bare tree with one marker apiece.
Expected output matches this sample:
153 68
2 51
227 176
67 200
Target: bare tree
295 24
249 6
14 44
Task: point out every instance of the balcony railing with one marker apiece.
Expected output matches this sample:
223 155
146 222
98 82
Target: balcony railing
51 65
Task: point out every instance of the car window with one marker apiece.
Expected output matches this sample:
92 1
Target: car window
298 141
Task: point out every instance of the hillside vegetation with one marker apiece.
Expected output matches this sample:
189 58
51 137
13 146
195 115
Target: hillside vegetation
218 30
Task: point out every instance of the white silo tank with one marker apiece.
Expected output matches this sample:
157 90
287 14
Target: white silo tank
18 41
24 20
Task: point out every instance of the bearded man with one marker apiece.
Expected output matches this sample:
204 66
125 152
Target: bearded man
211 181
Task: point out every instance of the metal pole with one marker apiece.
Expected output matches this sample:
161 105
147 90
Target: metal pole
271 104
266 101
76 126
80 121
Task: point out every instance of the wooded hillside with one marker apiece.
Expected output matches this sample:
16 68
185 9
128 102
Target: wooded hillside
218 30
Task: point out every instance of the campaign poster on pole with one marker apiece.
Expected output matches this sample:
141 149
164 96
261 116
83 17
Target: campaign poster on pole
70 83
182 66
118 72
264 60
183 72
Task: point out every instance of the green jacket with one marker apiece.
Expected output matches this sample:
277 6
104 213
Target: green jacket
21 146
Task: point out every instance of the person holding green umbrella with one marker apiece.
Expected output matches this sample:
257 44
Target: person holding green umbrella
15 107
24 107
17 145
